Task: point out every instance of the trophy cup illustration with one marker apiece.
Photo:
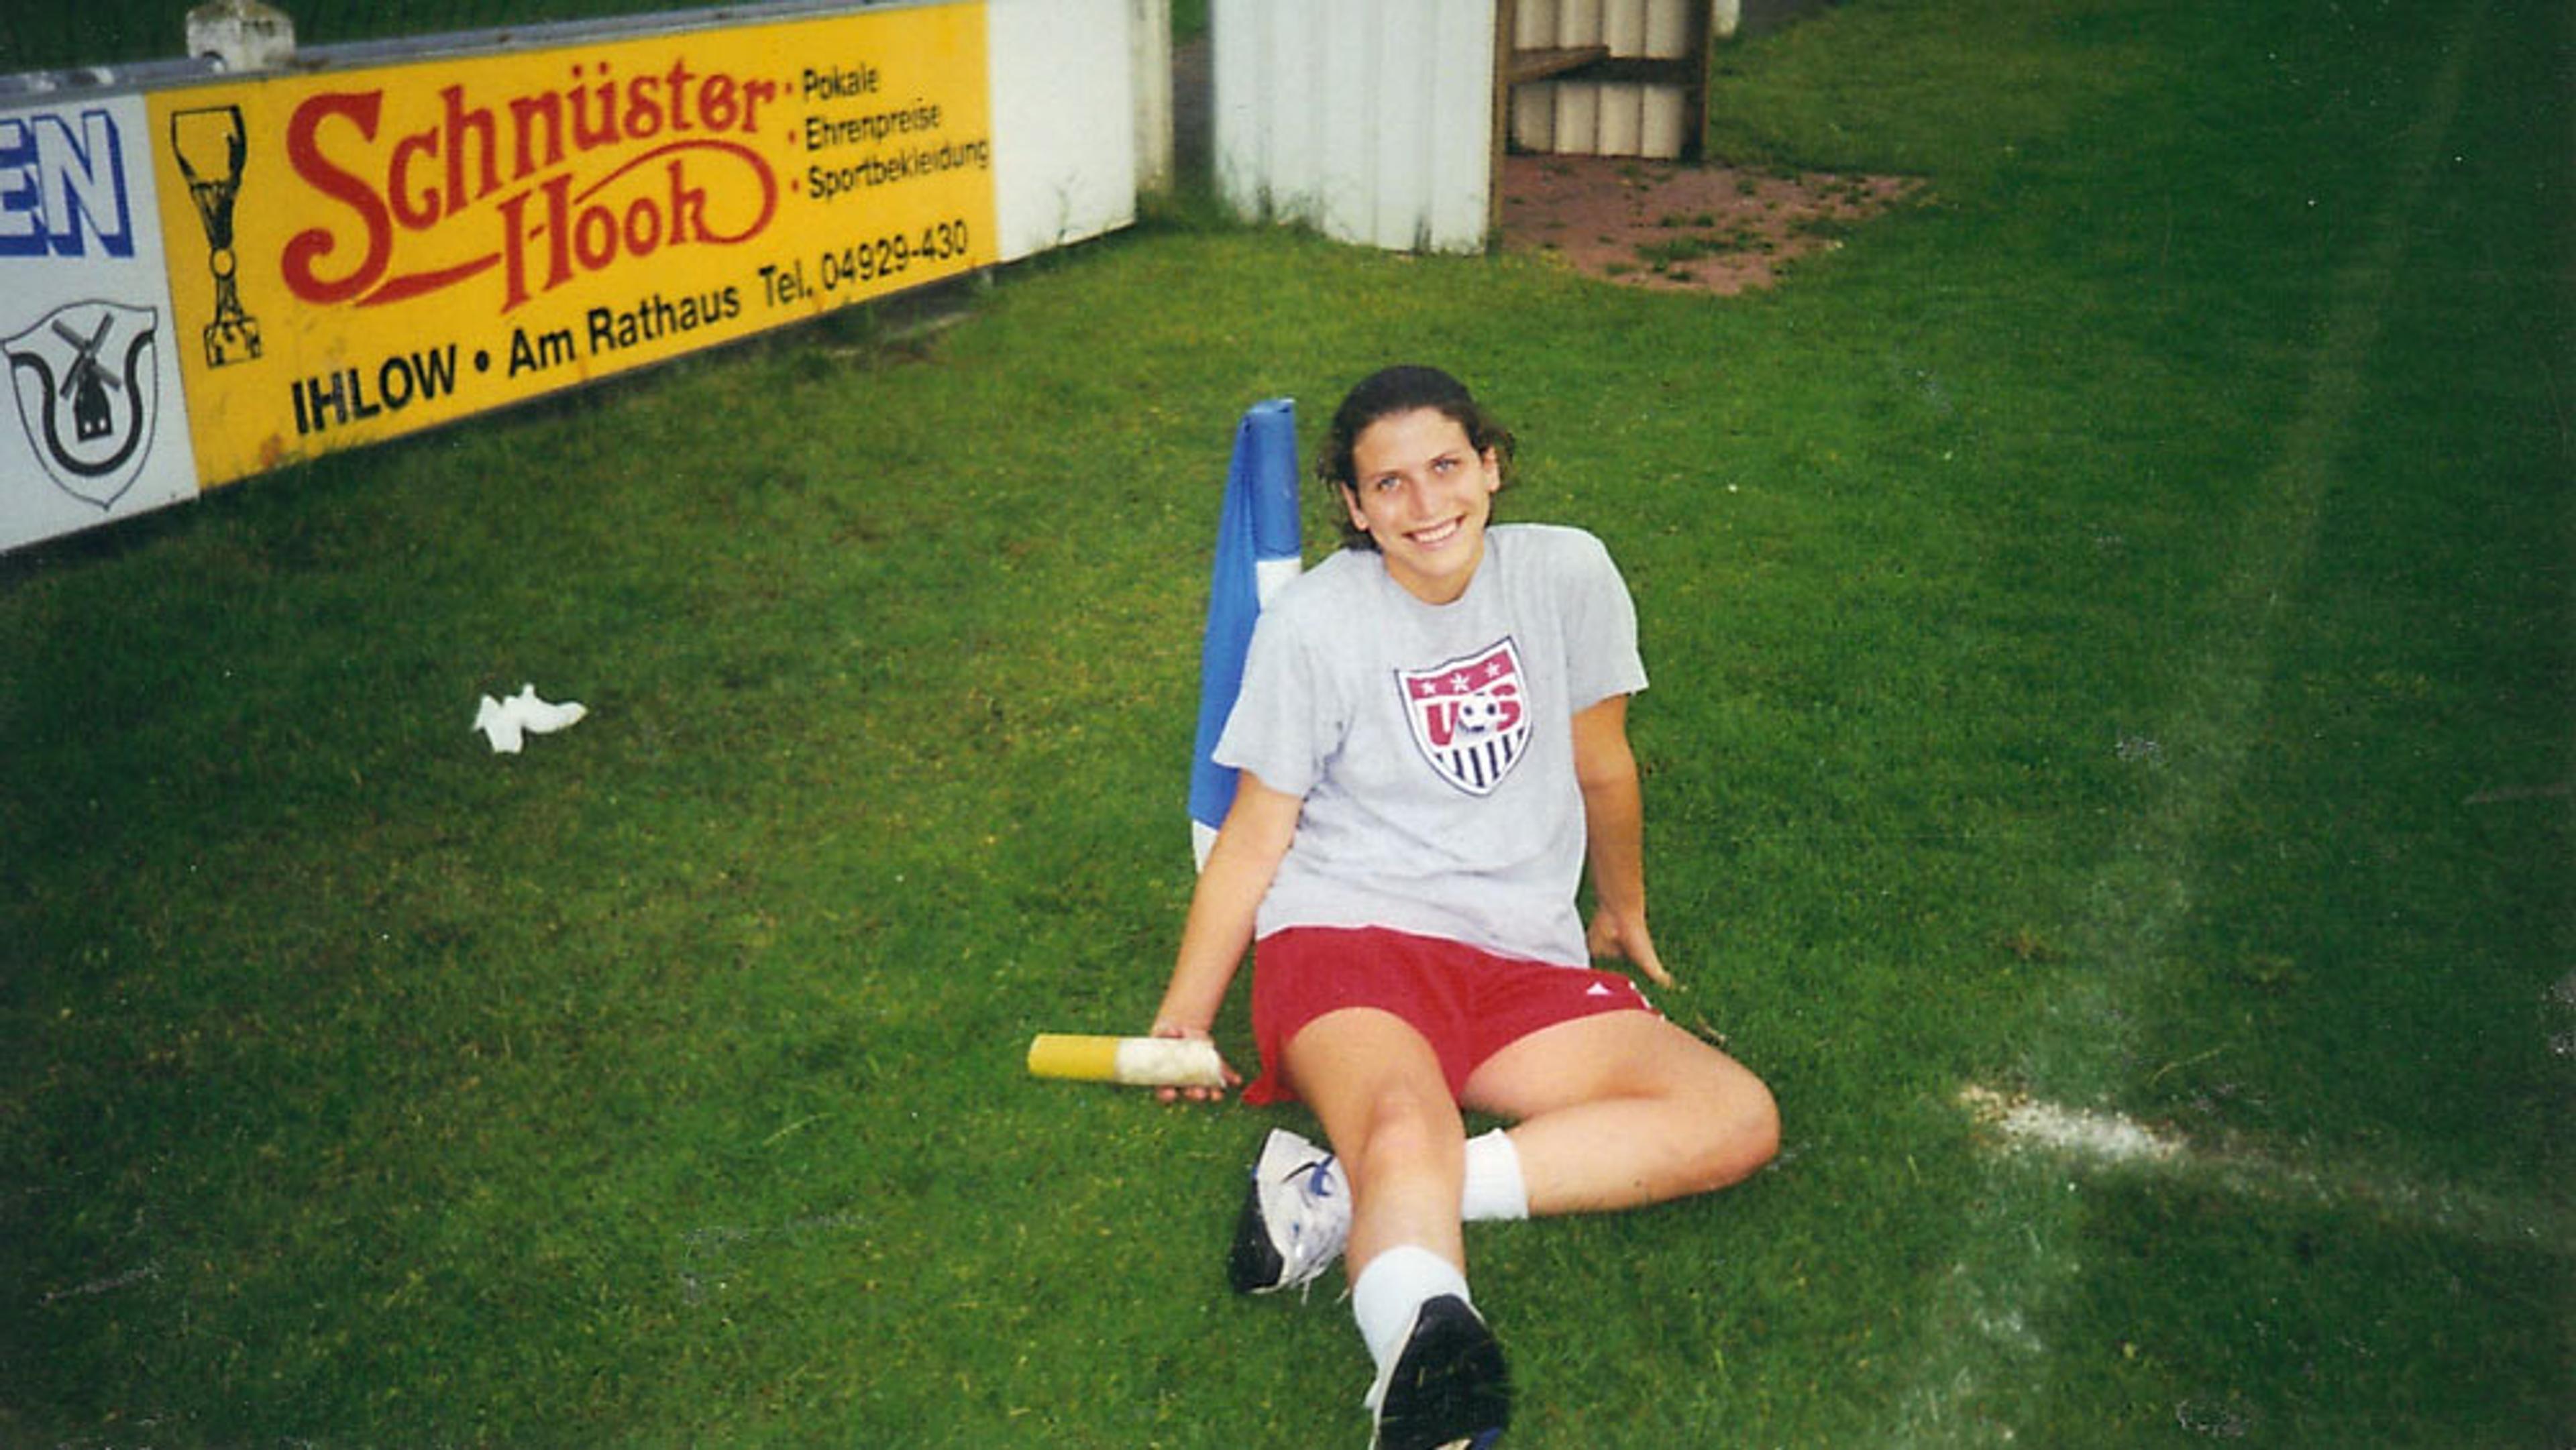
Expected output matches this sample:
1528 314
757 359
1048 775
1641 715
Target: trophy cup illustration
210 149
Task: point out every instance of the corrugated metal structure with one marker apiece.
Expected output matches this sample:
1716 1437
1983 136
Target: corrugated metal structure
1374 123
1384 123
1609 77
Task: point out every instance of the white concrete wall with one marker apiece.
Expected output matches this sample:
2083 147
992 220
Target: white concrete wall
1064 120
1372 122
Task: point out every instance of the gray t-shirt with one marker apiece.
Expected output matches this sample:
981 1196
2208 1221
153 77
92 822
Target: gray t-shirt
1434 744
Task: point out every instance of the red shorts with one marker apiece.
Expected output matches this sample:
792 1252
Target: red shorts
1469 1003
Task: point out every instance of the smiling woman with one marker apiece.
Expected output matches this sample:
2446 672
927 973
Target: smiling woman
1432 745
1422 494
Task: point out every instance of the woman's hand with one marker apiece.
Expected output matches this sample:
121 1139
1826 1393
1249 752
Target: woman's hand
1622 936
1223 908
1233 1080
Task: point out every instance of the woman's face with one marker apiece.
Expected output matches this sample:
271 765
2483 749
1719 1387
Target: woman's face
1422 493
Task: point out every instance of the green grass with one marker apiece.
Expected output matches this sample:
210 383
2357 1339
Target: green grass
2110 628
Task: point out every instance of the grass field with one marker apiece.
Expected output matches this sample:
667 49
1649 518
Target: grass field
2114 644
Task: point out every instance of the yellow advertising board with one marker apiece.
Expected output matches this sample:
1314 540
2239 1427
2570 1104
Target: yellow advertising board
359 254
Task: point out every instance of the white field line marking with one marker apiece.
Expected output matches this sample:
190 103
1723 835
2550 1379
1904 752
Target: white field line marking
108 1285
2111 1141
2027 1122
2020 1246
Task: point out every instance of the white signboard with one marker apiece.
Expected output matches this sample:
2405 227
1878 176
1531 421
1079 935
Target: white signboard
95 427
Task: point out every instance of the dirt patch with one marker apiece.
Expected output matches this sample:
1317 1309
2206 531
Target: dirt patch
1681 227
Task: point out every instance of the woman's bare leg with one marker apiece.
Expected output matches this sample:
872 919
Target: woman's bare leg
1625 1108
1377 1087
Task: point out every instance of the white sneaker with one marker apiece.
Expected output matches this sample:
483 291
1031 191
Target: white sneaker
1447 1386
1296 1217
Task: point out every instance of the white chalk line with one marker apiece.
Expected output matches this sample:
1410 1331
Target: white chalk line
2019 1245
2098 1140
108 1285
2026 1122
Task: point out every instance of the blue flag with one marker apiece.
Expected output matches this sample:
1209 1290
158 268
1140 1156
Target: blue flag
1257 547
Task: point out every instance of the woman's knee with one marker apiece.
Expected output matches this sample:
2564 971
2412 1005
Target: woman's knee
1365 1072
1403 1126
1739 1128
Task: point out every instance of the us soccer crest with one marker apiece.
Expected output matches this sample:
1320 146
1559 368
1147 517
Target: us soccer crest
88 384
1470 716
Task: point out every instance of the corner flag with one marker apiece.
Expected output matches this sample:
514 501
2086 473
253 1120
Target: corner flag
1256 552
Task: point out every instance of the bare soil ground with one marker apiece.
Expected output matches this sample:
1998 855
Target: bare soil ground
1679 226
1664 224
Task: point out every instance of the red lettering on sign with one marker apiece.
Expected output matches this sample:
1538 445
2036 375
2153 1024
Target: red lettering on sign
557 224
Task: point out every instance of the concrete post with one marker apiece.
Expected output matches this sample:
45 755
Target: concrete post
1149 30
241 35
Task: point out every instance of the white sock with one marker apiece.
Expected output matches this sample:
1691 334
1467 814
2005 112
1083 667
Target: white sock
1394 1285
1495 1189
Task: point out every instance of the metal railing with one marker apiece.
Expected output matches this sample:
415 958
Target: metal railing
50 35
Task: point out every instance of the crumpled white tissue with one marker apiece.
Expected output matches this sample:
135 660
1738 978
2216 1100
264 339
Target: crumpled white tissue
507 722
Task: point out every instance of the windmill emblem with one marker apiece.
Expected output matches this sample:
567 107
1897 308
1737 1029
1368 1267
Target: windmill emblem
93 415
88 385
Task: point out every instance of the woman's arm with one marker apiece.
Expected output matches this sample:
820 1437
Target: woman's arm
1614 825
1240 864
